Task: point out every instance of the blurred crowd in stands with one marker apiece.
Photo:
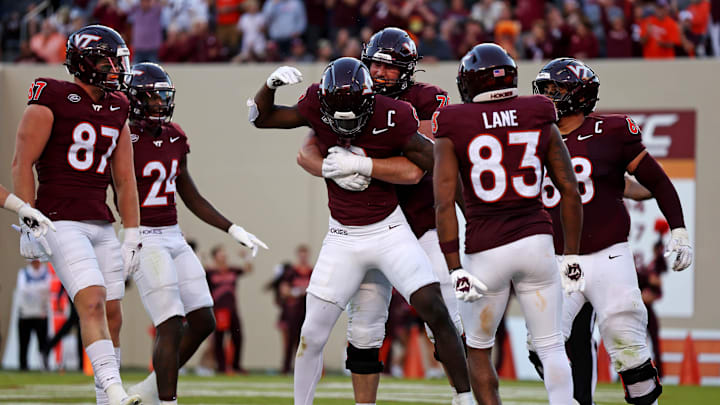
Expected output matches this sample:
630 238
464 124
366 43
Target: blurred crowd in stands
204 31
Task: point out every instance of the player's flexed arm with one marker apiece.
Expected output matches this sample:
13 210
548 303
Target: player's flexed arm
264 113
562 174
203 209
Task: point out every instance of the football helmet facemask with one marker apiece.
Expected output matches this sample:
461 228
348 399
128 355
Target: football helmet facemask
394 47
151 94
346 96
570 84
97 55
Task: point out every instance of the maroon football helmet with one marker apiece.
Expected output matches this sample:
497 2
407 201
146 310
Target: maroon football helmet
346 96
97 55
487 73
394 47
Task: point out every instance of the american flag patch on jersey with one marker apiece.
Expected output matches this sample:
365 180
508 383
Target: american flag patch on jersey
498 72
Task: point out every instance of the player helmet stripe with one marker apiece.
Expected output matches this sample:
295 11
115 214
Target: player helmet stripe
487 73
574 87
346 96
97 55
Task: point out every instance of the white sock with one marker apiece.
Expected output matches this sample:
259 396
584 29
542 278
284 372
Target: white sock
173 402
320 318
118 352
558 375
104 363
464 398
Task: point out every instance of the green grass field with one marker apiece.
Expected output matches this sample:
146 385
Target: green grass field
72 388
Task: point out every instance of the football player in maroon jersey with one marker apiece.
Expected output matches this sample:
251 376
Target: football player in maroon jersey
170 279
603 149
499 142
391 57
76 135
367 228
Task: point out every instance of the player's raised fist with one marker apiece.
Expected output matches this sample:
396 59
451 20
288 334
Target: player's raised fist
282 76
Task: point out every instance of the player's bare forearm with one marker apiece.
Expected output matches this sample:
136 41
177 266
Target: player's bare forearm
196 203
397 170
419 150
445 180
4 193
309 156
123 173
275 116
32 135
636 191
563 176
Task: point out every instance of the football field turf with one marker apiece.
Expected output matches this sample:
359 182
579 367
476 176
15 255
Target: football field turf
72 388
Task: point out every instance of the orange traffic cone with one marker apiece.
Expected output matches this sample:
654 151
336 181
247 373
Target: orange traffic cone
507 367
689 369
87 366
413 355
603 364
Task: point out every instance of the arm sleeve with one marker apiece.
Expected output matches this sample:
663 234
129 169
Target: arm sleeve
651 175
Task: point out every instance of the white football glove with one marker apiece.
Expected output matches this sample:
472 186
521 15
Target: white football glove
246 239
342 162
467 287
29 216
680 244
131 250
572 277
282 76
353 182
32 247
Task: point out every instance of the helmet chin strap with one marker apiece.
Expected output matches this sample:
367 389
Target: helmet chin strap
495 95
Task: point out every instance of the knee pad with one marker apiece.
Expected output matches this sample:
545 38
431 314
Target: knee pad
644 372
363 361
535 360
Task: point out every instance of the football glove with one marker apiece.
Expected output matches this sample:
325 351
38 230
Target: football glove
572 277
131 250
341 162
32 247
282 76
29 216
680 244
246 239
467 287
353 182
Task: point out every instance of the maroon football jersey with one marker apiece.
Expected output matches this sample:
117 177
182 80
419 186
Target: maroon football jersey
417 201
387 132
157 165
601 148
501 148
74 168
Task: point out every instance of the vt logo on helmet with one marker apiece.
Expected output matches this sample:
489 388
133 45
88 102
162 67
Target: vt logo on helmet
394 47
97 55
570 84
346 96
151 94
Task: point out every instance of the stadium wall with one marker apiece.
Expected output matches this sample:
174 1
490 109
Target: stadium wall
251 175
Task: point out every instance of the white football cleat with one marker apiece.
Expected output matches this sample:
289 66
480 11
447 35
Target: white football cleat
146 390
132 400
